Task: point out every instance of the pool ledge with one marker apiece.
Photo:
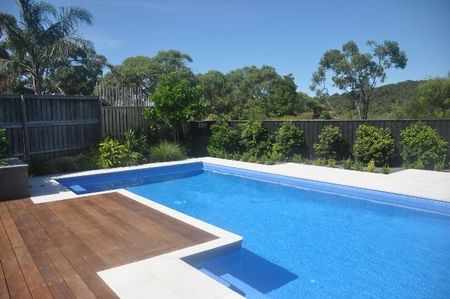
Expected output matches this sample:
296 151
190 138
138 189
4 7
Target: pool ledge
167 275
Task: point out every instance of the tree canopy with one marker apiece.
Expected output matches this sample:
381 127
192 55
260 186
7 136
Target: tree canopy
176 98
145 72
44 39
358 73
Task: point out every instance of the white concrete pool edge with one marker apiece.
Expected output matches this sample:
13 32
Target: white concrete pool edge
167 276
413 182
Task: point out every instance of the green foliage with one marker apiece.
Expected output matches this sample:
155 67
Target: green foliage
167 151
254 138
371 166
136 143
433 98
320 162
422 146
390 101
358 72
332 163
215 88
44 39
358 166
177 98
373 143
223 138
439 166
385 169
347 163
331 144
112 153
258 93
297 158
289 140
3 144
145 72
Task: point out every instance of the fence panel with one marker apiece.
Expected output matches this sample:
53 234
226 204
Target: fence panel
199 132
118 120
46 127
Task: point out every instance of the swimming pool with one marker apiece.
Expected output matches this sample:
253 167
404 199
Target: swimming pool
301 238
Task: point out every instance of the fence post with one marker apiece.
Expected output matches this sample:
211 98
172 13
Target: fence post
100 119
26 136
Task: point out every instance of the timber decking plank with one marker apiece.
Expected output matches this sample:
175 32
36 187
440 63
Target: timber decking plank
33 277
56 249
15 281
4 294
82 259
54 281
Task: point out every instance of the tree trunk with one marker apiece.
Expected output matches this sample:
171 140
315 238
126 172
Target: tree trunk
37 82
365 107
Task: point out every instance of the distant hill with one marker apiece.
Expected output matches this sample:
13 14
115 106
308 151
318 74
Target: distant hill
386 100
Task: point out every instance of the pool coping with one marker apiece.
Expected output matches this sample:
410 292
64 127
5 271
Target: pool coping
159 274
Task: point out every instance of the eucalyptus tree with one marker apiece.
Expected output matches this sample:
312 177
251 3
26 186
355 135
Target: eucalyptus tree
358 73
40 39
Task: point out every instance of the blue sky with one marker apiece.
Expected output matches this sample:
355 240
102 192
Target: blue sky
289 35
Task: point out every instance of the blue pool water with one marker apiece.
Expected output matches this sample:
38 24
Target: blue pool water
301 243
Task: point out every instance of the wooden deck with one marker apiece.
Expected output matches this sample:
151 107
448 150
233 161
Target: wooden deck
53 250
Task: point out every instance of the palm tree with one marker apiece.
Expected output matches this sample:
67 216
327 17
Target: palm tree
43 38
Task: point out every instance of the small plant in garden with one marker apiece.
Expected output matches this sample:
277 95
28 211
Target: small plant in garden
331 144
347 163
112 153
332 163
289 140
373 143
439 166
422 146
167 151
224 139
371 166
320 162
297 158
136 143
3 145
358 166
385 169
255 138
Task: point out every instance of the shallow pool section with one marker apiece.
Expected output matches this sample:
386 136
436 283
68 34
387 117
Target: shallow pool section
304 239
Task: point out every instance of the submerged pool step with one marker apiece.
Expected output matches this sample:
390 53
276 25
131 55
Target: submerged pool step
236 285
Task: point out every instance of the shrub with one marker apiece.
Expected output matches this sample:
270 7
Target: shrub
422 146
112 153
297 158
136 143
439 166
3 145
224 139
167 151
371 166
320 162
358 166
254 138
289 140
373 144
347 163
332 163
331 144
385 169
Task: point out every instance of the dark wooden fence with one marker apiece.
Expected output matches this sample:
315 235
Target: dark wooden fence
45 127
199 132
118 120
